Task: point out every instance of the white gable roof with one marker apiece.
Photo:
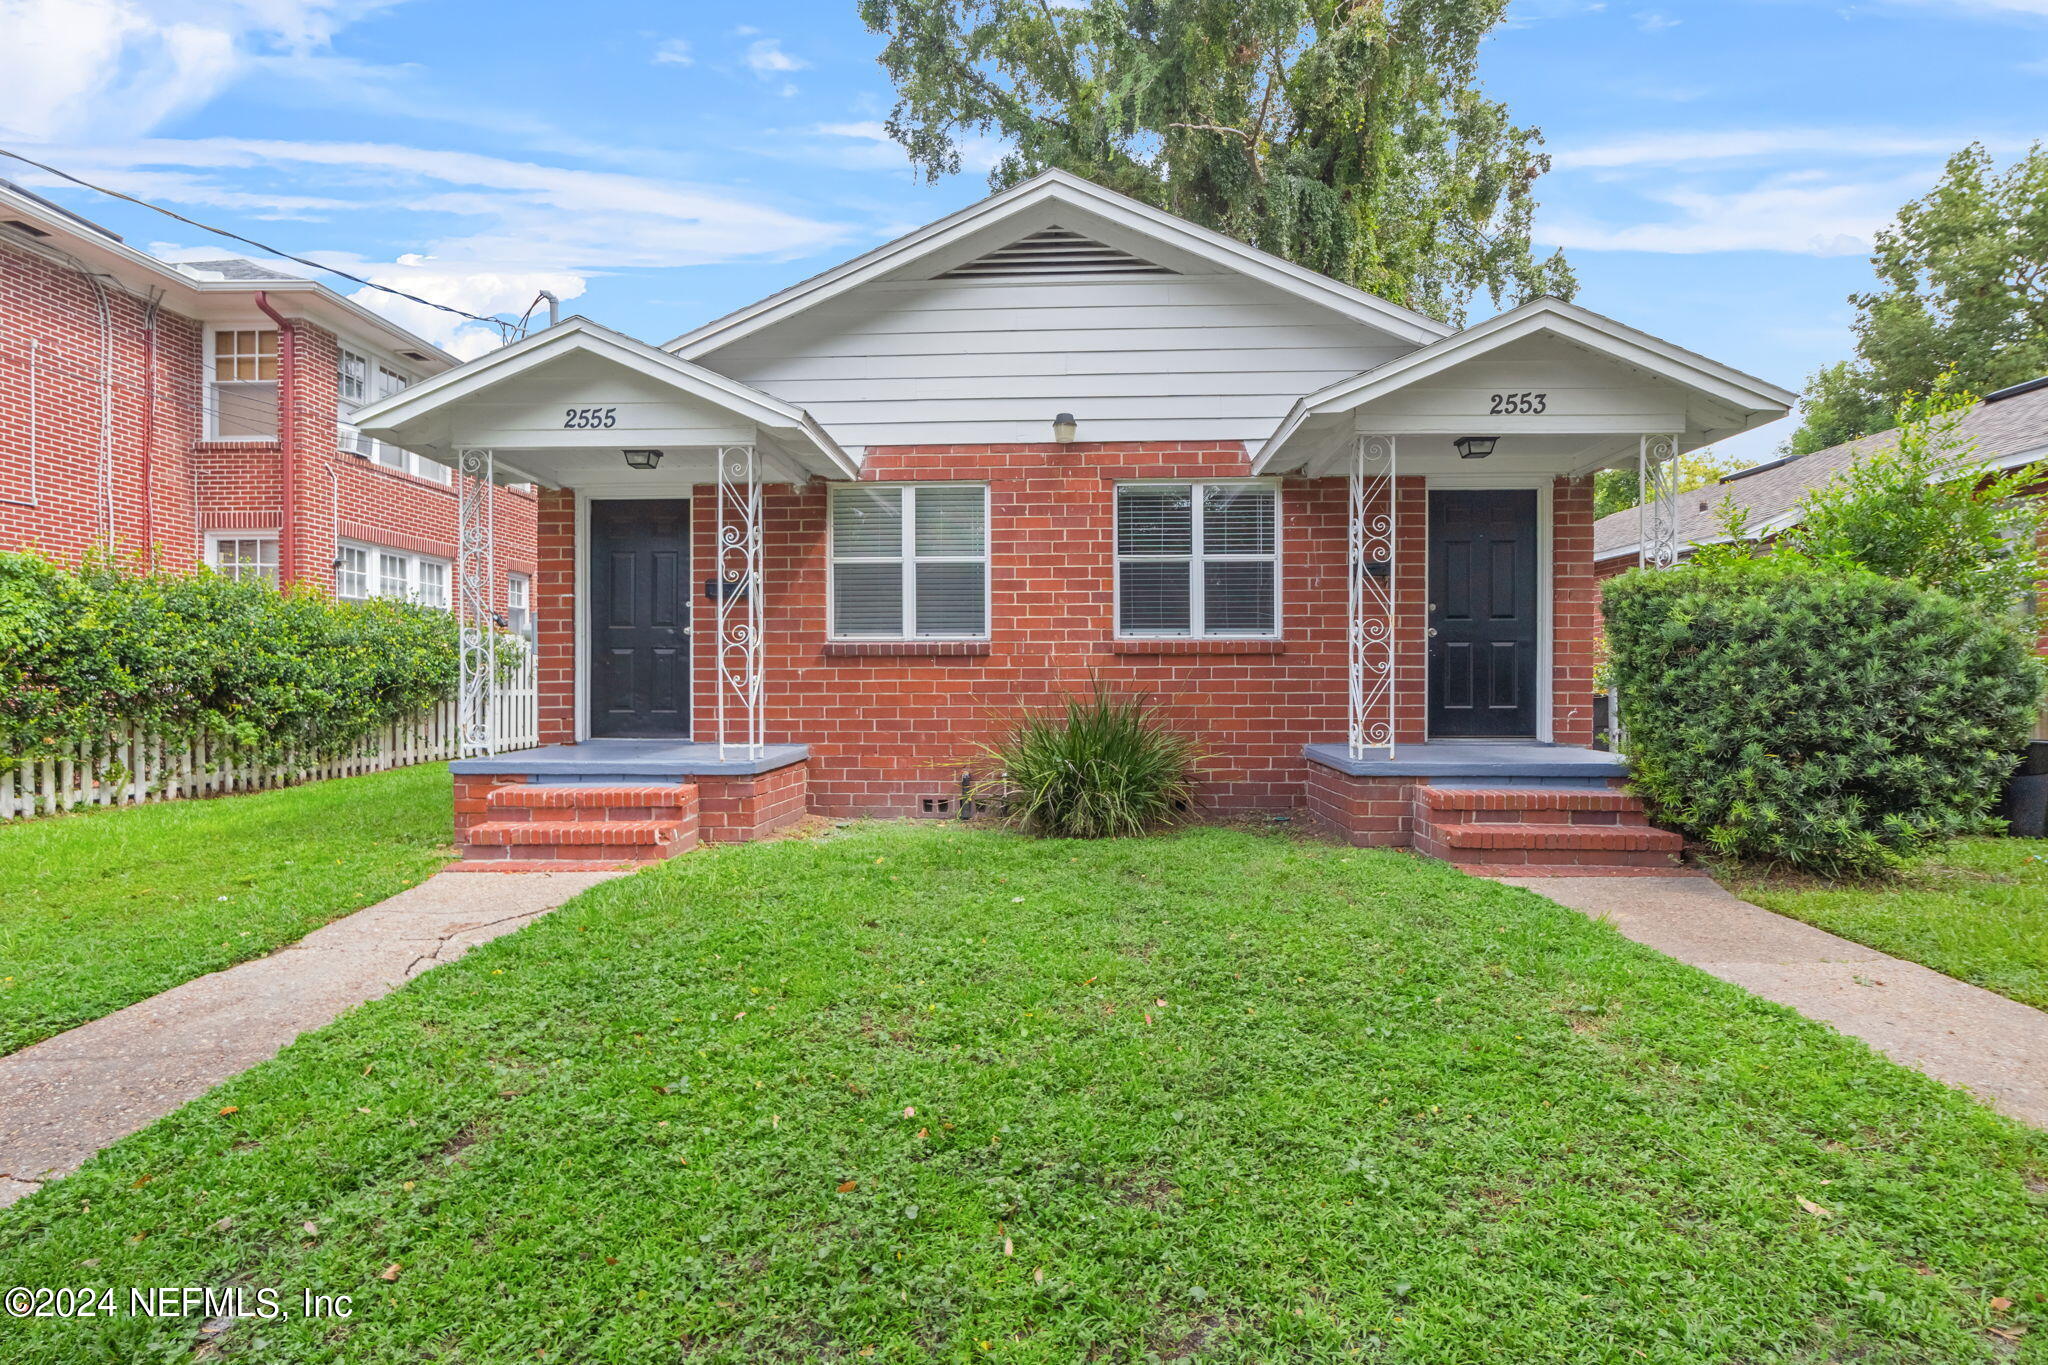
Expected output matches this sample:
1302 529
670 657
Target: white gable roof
1038 201
657 400
1672 390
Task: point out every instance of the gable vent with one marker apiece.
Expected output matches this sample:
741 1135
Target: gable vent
1053 251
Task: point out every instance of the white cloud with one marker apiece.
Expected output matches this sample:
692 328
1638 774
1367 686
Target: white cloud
673 52
120 68
765 58
1795 214
486 292
1654 21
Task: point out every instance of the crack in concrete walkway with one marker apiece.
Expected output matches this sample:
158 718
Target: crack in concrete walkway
67 1097
1961 1034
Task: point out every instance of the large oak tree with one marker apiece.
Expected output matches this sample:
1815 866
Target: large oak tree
1350 136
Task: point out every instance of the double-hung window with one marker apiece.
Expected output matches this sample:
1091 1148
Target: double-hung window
909 561
519 605
368 571
362 381
1197 559
242 557
352 574
242 385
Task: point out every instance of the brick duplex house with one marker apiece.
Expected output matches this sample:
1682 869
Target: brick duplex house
805 556
199 414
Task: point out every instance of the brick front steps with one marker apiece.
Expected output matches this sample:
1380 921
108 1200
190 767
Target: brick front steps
524 827
1541 831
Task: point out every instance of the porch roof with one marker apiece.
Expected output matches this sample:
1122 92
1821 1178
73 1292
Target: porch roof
1598 386
558 408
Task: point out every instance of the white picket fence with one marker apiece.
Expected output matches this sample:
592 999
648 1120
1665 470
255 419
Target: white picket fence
130 767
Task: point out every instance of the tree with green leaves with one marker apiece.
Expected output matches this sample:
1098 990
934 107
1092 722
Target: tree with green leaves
1617 490
1924 508
1349 136
1963 286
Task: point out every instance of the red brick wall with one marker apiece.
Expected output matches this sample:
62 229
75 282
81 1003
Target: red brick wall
1575 611
196 486
888 724
51 395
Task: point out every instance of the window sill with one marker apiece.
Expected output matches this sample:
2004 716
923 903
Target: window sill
214 444
1197 646
888 649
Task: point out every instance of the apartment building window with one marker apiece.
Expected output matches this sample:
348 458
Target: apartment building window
242 385
371 571
242 557
1197 559
364 380
352 573
909 561
519 605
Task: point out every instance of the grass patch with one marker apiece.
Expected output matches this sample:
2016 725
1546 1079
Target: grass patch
921 1092
1977 910
105 908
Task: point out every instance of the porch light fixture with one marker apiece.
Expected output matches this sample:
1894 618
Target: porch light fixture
1063 428
1475 447
642 459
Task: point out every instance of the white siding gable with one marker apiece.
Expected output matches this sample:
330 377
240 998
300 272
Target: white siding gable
1133 357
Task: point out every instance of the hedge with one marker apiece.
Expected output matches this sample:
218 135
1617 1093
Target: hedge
85 653
1837 721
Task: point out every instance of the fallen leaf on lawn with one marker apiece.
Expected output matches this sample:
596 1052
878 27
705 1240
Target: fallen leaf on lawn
1008 1250
230 1109
1038 1275
390 1272
310 1228
848 1186
2007 1333
1815 1209
775 1121
2000 1305
140 1181
223 1225
923 1131
909 1112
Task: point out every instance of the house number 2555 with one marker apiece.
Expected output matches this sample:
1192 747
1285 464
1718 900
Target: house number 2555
582 418
1508 404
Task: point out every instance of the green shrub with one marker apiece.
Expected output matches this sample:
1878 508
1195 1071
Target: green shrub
278 675
1834 720
1100 767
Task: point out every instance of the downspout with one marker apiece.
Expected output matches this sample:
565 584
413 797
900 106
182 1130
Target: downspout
149 435
287 447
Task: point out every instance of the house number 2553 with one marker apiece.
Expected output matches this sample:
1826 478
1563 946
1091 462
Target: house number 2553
1507 404
581 418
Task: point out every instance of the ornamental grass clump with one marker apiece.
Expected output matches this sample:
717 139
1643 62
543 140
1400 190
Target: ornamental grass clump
1828 718
1103 766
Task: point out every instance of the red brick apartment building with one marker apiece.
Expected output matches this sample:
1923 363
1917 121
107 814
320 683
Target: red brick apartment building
199 414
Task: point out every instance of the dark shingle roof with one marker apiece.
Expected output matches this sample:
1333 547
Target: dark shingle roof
236 268
2003 426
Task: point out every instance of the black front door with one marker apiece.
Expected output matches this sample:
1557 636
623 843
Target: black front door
1482 613
640 619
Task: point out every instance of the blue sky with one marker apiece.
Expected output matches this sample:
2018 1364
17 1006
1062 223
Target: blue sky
1721 165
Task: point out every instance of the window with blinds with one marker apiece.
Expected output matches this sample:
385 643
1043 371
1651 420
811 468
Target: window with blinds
909 561
1197 559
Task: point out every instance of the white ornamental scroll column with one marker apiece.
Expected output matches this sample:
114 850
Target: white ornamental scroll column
476 555
738 610
1372 544
1657 538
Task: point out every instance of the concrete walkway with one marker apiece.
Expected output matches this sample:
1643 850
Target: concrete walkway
67 1097
1958 1033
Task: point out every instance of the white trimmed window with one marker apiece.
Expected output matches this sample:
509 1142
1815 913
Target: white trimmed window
241 556
364 380
370 571
352 573
909 561
519 605
1198 559
241 385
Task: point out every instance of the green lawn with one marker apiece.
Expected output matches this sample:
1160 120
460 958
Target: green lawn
1977 910
917 1092
101 909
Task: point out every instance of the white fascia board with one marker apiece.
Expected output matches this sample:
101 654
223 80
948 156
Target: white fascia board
1600 335
580 335
1061 187
2019 459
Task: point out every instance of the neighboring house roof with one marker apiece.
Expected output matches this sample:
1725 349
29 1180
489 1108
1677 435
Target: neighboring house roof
1059 188
210 290
2010 428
